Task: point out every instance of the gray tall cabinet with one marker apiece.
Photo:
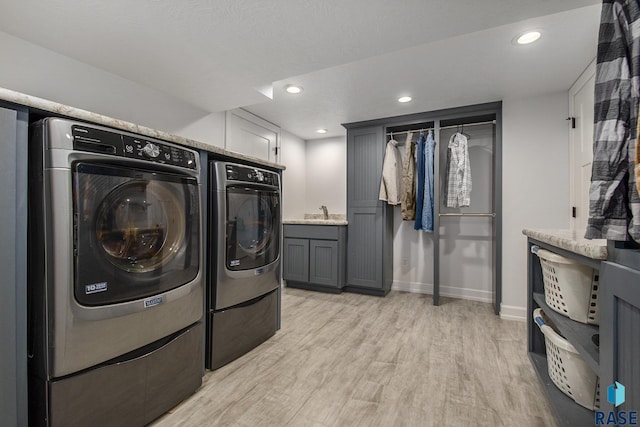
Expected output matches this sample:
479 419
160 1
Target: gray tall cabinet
370 229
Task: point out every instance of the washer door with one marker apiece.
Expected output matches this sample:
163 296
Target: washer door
136 233
253 227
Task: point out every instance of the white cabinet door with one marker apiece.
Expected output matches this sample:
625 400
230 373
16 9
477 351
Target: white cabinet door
249 134
581 143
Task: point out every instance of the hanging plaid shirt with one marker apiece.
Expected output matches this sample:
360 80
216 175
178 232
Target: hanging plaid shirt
614 205
458 173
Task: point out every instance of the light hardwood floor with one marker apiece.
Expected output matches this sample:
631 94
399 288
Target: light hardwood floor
356 360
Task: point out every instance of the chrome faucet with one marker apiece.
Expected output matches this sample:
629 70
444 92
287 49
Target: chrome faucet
325 212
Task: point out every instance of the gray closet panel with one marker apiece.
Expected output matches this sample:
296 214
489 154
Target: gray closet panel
13 255
619 301
364 248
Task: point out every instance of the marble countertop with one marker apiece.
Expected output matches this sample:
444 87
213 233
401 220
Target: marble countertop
77 113
568 240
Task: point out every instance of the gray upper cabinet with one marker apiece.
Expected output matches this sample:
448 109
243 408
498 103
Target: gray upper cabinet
365 153
370 248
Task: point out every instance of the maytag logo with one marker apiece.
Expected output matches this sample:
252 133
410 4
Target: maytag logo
95 287
151 302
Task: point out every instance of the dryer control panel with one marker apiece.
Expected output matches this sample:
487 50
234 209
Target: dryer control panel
87 138
249 174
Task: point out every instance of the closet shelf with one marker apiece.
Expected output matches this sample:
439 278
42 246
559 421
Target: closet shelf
567 412
490 122
578 334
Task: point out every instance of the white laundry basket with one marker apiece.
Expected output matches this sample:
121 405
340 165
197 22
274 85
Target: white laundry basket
567 369
570 288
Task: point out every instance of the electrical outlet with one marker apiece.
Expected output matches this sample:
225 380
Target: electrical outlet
404 262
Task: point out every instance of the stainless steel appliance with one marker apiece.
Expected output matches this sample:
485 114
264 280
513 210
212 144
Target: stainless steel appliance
115 287
245 234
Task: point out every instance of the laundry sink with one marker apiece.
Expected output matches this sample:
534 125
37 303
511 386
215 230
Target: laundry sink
316 221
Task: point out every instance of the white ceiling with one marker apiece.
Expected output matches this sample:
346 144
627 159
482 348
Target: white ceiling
354 58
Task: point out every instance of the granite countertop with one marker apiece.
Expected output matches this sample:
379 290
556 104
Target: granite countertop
568 240
315 222
318 219
77 113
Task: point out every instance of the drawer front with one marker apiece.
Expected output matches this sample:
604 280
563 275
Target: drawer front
327 232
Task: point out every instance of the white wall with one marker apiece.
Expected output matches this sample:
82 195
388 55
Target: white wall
294 177
326 161
535 184
40 72
209 129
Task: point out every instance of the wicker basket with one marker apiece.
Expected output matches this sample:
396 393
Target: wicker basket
570 288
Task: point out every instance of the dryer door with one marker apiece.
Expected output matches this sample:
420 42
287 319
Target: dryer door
253 227
136 233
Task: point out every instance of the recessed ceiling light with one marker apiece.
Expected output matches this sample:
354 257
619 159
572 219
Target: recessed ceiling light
404 99
528 37
293 89
321 131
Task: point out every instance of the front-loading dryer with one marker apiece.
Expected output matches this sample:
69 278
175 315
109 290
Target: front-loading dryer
245 233
116 285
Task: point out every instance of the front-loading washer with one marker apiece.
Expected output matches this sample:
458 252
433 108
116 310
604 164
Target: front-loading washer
116 283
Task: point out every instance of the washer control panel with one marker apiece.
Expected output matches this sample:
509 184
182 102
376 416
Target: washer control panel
87 138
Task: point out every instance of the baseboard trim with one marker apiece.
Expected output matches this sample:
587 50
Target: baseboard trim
445 291
512 312
507 312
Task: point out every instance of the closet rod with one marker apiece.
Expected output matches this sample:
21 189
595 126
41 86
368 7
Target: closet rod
404 132
468 214
493 122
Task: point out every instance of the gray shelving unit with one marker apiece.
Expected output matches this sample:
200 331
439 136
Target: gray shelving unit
616 359
567 412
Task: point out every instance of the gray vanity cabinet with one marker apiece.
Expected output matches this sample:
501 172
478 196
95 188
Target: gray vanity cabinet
620 332
370 247
314 256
